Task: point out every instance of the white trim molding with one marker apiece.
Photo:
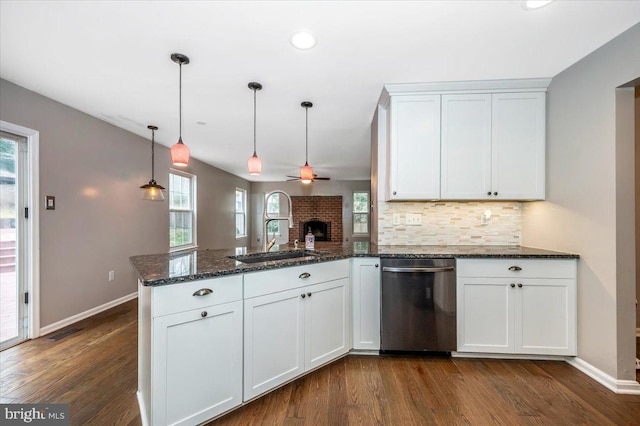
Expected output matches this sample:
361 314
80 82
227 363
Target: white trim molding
627 387
86 314
33 223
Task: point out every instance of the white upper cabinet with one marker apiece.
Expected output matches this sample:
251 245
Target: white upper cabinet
464 140
466 146
518 146
414 154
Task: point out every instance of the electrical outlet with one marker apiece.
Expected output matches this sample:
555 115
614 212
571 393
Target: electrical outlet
112 275
414 219
396 219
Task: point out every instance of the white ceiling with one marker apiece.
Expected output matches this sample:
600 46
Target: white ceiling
111 60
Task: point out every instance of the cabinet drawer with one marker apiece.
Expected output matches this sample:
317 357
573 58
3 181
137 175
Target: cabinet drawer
529 268
174 298
265 282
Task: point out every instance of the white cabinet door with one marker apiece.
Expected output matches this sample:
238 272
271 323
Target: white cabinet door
485 315
197 364
273 340
326 322
545 317
518 146
466 147
365 284
414 161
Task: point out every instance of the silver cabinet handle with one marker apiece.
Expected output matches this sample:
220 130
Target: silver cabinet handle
515 268
204 314
203 292
443 269
304 275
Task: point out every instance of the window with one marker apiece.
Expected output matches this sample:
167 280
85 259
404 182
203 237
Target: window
182 210
360 212
241 213
273 210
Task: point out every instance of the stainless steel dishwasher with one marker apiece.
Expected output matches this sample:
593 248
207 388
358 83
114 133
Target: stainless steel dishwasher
418 305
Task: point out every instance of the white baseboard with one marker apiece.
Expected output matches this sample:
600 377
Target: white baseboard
86 314
143 409
628 387
508 356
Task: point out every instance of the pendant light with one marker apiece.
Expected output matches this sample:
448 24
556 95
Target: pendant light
152 191
306 172
179 151
254 163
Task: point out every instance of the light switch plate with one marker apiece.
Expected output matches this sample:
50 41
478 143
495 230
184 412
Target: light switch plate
414 219
396 219
50 202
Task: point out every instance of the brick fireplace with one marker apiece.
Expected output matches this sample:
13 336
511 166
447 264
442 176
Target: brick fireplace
323 214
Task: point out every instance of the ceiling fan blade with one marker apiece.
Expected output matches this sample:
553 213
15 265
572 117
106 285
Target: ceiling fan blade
290 180
294 177
321 178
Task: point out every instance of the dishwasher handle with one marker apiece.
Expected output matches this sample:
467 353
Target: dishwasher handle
427 270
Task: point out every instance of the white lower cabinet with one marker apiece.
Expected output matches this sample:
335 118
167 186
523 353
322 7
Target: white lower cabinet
517 306
365 285
197 364
290 332
190 350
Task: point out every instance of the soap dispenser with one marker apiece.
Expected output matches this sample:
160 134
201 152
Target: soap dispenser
309 240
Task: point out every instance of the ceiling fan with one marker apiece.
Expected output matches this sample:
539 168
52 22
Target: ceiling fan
306 172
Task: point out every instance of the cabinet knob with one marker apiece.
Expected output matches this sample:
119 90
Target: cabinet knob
303 295
376 265
512 285
489 193
309 294
203 292
304 275
204 314
520 285
394 192
515 268
495 193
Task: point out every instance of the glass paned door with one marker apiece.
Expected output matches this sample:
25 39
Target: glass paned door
13 312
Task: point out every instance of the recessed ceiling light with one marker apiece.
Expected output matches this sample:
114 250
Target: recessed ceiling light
535 4
302 40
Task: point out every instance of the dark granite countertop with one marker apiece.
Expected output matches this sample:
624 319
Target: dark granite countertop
189 265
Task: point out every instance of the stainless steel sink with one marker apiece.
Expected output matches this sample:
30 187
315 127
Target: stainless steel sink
278 255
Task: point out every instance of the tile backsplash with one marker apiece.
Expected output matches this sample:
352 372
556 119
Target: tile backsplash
450 223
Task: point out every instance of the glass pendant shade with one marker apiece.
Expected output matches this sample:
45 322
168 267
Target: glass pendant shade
255 165
180 154
306 173
152 191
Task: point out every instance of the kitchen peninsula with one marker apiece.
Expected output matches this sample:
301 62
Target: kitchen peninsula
216 332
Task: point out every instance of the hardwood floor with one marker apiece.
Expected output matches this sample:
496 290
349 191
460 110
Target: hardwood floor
95 371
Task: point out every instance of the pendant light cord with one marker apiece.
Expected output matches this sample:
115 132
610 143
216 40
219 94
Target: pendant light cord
180 101
306 135
254 122
153 140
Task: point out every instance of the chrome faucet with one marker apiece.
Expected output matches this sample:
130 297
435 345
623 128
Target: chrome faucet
268 244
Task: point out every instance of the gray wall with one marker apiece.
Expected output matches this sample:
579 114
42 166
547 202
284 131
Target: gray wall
589 207
344 188
94 170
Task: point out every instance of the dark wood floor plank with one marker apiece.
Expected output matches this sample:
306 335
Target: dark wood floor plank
95 371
